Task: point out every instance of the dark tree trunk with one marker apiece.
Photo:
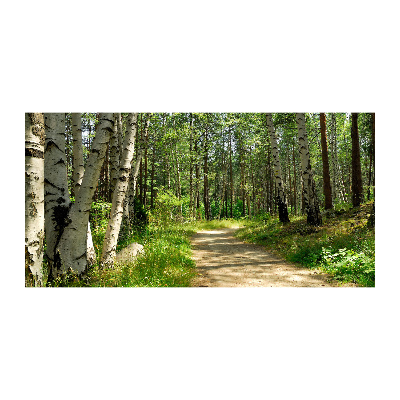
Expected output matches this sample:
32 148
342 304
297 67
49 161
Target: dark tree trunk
325 163
356 163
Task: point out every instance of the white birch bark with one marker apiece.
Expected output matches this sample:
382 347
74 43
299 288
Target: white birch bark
78 167
78 171
114 223
120 133
72 246
57 201
34 198
310 198
282 206
114 154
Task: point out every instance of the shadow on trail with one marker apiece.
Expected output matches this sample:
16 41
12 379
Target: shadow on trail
224 261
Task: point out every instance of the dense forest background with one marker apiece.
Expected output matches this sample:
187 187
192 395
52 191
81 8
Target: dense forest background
94 181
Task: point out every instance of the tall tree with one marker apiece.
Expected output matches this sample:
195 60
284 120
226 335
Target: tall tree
78 172
57 201
325 163
281 197
72 245
309 193
356 162
34 198
114 223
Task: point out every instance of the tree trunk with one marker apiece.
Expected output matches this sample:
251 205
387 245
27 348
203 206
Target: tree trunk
205 173
78 172
310 197
231 172
371 156
34 198
356 163
114 223
57 201
281 197
294 184
325 163
191 203
114 155
72 245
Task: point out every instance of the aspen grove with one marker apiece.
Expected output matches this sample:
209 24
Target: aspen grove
91 179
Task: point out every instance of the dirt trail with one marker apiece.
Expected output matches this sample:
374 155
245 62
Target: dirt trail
224 261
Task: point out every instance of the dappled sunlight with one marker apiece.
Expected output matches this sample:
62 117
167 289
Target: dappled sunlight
224 261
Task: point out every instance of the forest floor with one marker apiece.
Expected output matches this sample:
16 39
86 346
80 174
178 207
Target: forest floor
224 261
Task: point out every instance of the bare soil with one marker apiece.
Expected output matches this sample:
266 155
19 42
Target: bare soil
224 261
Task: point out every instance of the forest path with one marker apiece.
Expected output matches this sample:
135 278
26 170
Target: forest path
224 261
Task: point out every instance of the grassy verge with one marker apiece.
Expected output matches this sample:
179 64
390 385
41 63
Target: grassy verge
344 246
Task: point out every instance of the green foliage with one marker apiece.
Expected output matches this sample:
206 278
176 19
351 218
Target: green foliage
167 208
349 266
98 217
166 261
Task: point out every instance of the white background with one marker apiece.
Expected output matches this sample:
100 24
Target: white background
187 343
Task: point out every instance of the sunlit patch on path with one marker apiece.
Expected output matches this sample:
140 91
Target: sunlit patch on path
224 261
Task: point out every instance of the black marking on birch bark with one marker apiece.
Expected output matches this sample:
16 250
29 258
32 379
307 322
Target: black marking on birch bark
123 178
60 161
34 153
62 190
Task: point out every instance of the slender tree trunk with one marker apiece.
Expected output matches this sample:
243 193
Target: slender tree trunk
153 164
281 197
371 155
310 197
114 223
325 163
356 163
295 184
78 172
34 198
191 207
231 172
205 172
197 170
72 245
114 155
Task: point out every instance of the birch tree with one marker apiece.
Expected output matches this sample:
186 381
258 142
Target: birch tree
114 224
57 201
310 197
78 172
114 154
72 245
281 198
34 198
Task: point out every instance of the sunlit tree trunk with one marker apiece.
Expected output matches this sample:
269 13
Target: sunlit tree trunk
114 155
78 172
325 163
72 246
281 197
34 198
356 162
114 223
310 197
